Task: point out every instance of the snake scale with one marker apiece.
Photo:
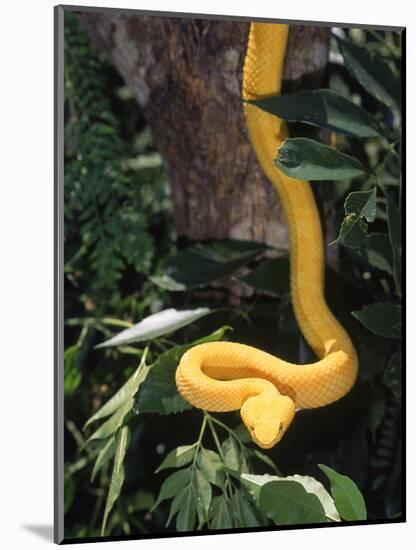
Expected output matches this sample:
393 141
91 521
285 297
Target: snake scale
227 376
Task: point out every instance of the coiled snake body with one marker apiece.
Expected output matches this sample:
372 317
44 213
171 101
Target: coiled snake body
226 376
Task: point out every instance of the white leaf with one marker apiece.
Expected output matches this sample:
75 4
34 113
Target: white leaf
158 324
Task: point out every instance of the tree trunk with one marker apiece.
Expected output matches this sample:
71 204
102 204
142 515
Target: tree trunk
186 75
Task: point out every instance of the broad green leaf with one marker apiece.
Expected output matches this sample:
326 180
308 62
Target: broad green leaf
173 485
104 456
287 502
201 264
255 483
360 208
158 394
376 251
127 391
220 514
178 457
348 499
117 477
383 318
114 422
210 464
395 234
393 374
372 72
72 372
322 108
306 159
158 324
271 276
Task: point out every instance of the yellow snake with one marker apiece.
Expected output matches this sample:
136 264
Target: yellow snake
227 376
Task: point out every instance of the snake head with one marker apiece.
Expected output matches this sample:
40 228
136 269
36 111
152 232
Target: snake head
267 418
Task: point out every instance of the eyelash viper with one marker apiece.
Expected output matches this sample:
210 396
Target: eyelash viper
227 376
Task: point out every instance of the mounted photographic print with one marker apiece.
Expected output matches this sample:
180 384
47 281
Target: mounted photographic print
229 197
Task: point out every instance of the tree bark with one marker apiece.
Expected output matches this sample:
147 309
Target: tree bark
186 75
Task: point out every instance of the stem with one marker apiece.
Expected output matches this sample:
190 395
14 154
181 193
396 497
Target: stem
218 445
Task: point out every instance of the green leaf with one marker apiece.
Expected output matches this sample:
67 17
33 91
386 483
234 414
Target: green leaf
242 434
210 464
376 251
114 422
393 373
158 324
185 520
104 456
322 108
72 372
117 477
271 276
220 514
201 264
306 159
372 72
126 392
203 496
173 485
383 318
70 489
176 504
178 457
244 513
287 502
233 458
158 394
348 499
254 483
395 234
360 208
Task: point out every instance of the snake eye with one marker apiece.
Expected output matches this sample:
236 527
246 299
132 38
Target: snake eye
280 426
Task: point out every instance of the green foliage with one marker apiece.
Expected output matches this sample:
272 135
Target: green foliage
306 159
359 208
111 201
347 497
270 277
322 108
384 319
372 72
306 499
146 461
199 265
